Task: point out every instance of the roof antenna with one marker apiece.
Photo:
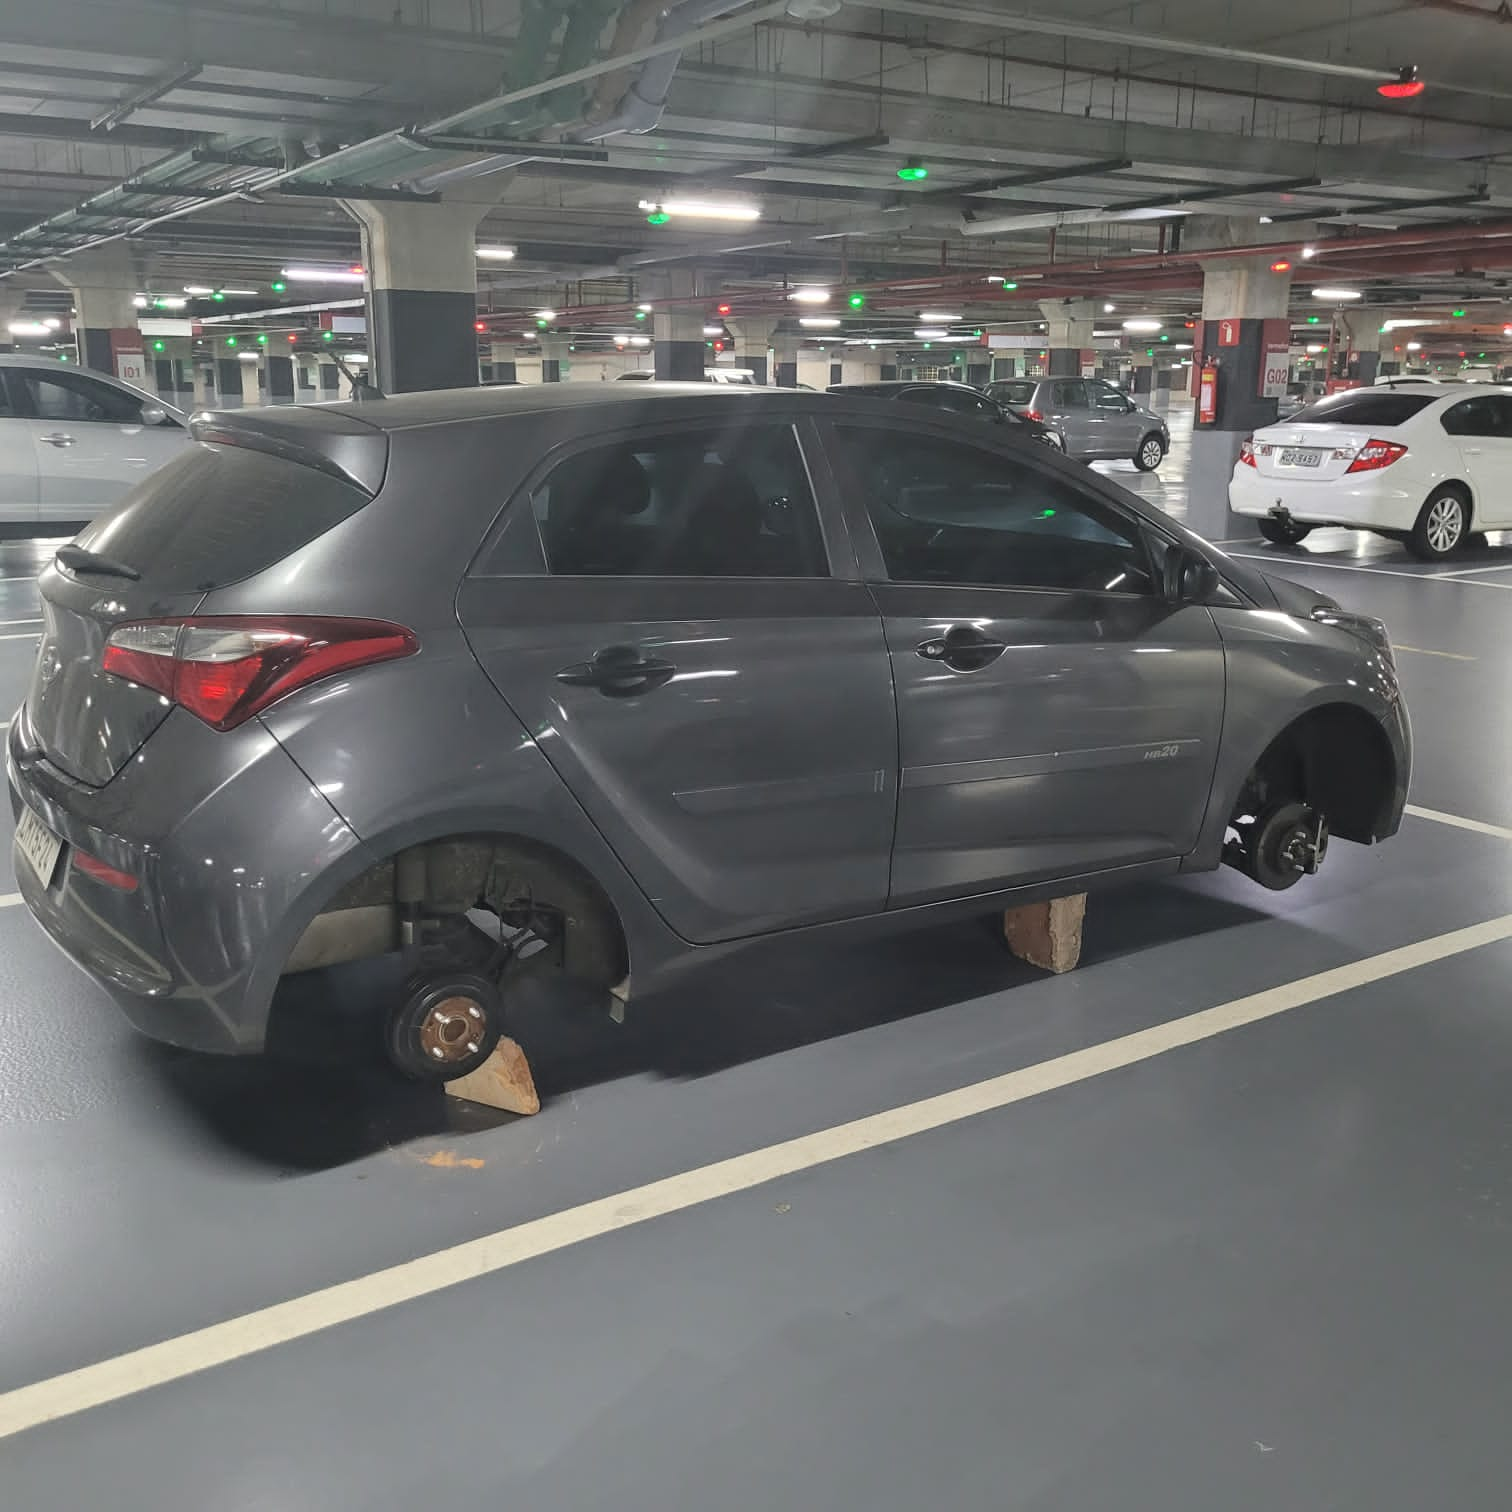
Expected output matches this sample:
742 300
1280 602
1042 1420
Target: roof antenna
361 389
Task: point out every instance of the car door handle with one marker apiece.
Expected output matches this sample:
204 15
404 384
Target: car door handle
963 648
1473 451
58 438
618 672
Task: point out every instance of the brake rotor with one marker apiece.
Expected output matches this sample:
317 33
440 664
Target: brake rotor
445 1025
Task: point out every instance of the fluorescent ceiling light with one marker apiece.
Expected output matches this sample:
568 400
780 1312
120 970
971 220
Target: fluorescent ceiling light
495 254
810 296
545 314
1142 325
139 300
700 209
249 356
1331 293
640 341
51 322
820 322
1414 346
935 316
198 289
1183 346
1108 309
171 302
1403 325
931 333
324 275
1309 251
645 309
28 328
247 293
719 330
358 357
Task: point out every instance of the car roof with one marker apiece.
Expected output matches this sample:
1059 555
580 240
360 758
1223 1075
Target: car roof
895 385
446 406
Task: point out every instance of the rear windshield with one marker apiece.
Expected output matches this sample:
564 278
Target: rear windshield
1012 392
1364 407
218 514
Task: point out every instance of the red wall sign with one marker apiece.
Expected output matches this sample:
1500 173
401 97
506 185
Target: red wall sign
1228 333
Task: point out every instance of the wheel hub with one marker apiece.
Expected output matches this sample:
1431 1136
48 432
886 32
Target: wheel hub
452 1031
1445 522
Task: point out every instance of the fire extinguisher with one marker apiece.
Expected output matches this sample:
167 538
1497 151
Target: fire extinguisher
1207 394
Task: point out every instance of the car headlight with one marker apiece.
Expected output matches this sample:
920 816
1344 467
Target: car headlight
1361 626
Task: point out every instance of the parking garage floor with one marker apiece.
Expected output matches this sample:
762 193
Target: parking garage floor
1222 1219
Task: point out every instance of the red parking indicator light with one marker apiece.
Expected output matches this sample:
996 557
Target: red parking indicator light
1281 265
1405 86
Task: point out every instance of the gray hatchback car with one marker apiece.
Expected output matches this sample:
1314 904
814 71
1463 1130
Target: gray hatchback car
611 680
1095 421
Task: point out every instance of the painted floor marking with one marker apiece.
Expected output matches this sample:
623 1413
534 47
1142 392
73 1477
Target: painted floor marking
1279 562
1479 826
110 1380
34 620
23 635
10 900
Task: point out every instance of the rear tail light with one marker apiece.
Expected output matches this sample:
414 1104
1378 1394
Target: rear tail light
1036 415
1247 452
111 876
1375 455
226 669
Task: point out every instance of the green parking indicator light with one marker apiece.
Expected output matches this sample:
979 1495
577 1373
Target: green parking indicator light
640 314
62 356
1009 284
218 297
1149 351
858 300
230 341
327 336
1313 319
262 338
279 287
158 346
1458 314
913 171
658 218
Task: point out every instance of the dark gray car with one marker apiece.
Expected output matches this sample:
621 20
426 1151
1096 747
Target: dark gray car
636 675
1095 421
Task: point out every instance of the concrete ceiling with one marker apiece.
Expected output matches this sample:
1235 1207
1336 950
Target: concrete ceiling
1084 111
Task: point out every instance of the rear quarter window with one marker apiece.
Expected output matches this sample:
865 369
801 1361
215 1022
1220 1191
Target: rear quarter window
1364 407
219 514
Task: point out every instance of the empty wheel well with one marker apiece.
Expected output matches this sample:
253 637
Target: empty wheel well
499 874
1335 759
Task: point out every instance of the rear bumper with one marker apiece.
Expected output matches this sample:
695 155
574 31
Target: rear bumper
1371 503
227 838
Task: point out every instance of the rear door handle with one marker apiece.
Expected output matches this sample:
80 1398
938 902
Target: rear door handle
58 438
963 648
1474 451
619 672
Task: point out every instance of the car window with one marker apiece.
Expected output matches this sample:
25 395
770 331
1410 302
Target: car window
1068 394
1483 415
933 397
701 503
7 409
74 397
1364 407
1013 390
1105 396
946 513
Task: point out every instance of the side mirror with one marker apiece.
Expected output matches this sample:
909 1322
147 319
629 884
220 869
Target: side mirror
154 414
1188 577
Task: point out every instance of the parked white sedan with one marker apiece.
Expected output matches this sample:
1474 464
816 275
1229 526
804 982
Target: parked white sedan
73 441
1427 464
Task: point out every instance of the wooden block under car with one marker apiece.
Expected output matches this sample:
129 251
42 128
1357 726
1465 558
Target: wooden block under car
1047 935
502 1081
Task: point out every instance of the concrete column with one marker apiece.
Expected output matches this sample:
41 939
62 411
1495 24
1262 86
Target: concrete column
1243 303
1365 339
677 327
1068 330
1144 374
422 292
753 337
228 383
555 365
305 376
330 380
103 282
785 346
502 354
280 378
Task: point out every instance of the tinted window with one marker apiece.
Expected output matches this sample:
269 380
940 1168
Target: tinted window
1105 396
687 504
72 396
1019 391
1068 394
1485 415
945 513
1364 407
218 514
969 404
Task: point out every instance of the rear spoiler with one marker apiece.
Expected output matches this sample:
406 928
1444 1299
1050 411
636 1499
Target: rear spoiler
330 442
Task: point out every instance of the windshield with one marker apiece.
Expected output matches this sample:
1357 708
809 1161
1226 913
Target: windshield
1364 407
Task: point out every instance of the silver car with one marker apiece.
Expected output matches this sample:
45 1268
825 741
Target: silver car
74 442
1095 421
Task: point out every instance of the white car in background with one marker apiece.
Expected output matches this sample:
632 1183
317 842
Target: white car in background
73 441
1426 464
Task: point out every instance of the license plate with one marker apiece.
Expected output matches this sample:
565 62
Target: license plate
38 845
1296 456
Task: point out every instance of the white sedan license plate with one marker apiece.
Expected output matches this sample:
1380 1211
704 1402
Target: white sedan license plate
1296 456
39 845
